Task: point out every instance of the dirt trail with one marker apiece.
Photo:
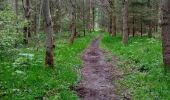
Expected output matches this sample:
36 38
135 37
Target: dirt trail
96 81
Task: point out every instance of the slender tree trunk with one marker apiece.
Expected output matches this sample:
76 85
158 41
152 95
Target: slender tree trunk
112 18
73 24
110 24
17 13
90 15
38 21
156 28
166 32
49 59
125 22
141 26
76 16
27 31
114 25
133 25
84 22
144 28
150 30
58 16
93 18
150 22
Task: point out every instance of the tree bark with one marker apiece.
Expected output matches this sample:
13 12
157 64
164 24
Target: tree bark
38 21
93 18
114 25
133 25
27 31
150 21
90 15
16 9
112 18
38 17
58 16
84 22
73 24
141 26
49 59
125 22
150 30
110 24
166 32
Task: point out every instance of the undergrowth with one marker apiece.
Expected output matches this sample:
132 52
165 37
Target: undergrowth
144 76
27 78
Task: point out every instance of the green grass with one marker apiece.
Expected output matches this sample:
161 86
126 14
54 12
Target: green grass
141 62
27 78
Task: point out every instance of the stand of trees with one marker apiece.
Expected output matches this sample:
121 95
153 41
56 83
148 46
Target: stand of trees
79 17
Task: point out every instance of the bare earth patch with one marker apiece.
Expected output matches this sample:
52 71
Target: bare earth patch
96 83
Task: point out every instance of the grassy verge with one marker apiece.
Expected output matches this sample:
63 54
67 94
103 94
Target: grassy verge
27 78
141 63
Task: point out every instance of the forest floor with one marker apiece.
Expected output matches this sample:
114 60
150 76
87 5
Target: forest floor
96 83
23 75
109 70
141 74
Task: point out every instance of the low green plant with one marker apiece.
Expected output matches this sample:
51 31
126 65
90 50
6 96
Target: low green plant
141 62
27 78
9 37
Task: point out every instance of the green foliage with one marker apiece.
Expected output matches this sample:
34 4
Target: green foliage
141 62
9 37
27 78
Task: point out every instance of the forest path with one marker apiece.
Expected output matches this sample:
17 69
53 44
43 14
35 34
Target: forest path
96 83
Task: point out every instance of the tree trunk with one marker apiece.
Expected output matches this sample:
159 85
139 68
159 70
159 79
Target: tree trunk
141 26
73 24
84 22
38 17
16 9
93 18
49 59
58 16
114 25
27 31
38 21
112 18
125 22
150 21
133 25
90 15
150 30
166 32
110 24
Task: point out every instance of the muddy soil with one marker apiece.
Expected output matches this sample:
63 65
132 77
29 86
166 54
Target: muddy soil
97 82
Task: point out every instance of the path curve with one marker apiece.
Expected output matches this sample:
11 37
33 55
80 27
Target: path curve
96 83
